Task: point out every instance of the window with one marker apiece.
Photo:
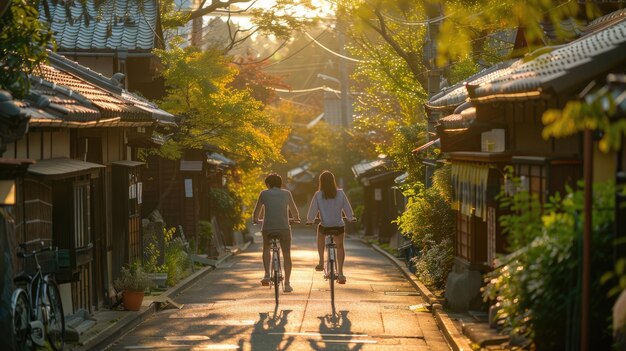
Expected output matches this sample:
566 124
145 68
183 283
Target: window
82 230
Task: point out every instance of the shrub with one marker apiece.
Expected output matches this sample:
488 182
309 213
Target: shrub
225 205
537 287
430 223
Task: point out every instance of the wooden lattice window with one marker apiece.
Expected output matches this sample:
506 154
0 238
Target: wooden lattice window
463 236
82 210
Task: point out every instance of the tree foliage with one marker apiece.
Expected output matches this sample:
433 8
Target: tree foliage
252 77
199 89
466 25
429 221
537 286
23 42
278 22
596 112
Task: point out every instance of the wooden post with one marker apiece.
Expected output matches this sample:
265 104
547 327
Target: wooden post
586 259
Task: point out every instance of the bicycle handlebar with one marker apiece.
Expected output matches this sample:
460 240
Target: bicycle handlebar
291 221
317 220
34 241
22 254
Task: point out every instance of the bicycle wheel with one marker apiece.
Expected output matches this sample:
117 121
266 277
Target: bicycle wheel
55 328
331 278
276 274
20 314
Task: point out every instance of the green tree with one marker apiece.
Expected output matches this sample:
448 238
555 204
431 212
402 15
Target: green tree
23 42
198 89
214 113
467 25
278 21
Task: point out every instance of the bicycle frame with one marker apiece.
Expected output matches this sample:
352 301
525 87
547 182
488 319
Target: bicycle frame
40 297
330 268
37 318
331 256
276 273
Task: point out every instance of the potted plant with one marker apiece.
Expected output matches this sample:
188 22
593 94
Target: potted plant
133 282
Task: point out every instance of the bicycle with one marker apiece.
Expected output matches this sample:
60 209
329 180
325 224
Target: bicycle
276 270
36 307
330 259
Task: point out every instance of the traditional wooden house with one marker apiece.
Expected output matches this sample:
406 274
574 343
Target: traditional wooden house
81 129
114 37
382 203
181 191
501 124
13 126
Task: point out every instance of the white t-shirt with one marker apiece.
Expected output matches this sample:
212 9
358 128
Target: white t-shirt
330 210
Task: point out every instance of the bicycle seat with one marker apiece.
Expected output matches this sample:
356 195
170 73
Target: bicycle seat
333 231
273 235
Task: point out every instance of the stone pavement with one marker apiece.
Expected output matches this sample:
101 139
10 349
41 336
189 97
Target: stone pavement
108 325
464 331
105 326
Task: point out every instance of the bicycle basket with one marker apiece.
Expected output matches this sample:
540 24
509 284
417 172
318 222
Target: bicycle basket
48 260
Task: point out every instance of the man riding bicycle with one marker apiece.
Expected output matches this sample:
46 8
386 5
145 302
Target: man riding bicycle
276 204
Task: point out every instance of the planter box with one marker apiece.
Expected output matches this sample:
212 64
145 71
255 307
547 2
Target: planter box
159 279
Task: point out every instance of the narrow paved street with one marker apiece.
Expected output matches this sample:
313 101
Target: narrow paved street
229 310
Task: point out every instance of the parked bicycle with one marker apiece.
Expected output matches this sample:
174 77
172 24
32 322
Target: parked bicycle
36 307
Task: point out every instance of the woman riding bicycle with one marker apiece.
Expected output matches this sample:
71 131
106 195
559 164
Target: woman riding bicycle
330 203
276 203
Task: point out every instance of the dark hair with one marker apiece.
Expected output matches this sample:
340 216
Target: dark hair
273 180
328 187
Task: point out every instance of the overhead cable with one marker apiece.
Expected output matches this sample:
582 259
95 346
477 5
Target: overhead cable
325 88
332 52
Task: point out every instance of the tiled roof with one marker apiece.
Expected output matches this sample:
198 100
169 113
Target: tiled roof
66 94
361 169
568 27
457 94
605 21
113 25
107 103
111 87
459 120
564 67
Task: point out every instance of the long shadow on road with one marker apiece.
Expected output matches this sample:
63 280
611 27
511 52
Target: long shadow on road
269 331
336 333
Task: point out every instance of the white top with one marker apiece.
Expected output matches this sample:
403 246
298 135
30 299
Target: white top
330 210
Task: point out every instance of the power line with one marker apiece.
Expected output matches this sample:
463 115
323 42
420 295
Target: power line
324 88
331 51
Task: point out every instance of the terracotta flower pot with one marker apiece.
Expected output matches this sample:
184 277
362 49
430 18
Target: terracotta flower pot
132 300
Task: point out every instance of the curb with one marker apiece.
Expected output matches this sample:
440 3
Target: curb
455 339
102 340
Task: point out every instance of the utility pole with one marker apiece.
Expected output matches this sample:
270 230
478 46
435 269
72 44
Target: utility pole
343 79
346 116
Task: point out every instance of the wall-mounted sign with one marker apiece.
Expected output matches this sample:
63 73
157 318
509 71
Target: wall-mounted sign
188 187
378 194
